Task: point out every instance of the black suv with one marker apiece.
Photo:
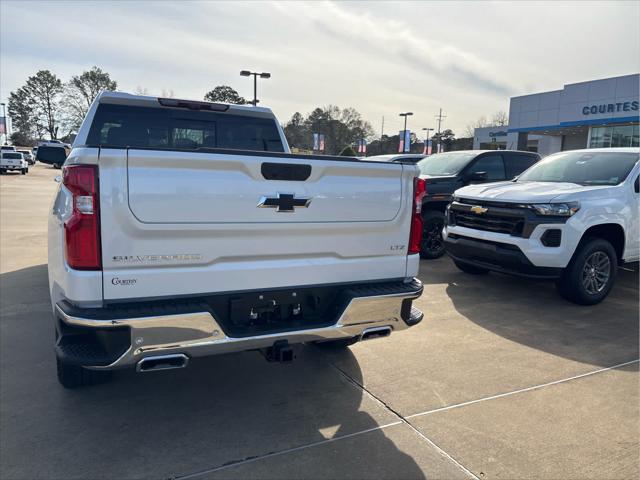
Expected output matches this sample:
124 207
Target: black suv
444 173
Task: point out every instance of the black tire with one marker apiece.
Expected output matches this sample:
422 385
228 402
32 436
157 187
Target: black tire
338 344
591 273
432 245
471 269
2 172
73 376
56 166
23 171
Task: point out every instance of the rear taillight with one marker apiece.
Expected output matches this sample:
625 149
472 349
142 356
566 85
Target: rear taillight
82 229
415 237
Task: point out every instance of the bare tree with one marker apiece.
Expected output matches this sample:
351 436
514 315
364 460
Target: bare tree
481 122
500 119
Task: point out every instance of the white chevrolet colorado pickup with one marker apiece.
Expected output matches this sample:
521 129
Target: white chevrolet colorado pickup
574 217
185 229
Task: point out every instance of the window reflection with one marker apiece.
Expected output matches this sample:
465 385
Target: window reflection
616 136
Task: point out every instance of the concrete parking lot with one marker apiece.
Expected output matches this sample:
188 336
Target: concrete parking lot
503 379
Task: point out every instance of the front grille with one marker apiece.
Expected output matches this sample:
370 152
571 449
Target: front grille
490 223
499 219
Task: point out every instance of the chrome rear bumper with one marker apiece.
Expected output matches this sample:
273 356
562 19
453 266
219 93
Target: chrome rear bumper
199 334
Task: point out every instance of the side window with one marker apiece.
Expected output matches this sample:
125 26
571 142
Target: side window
492 164
516 163
636 184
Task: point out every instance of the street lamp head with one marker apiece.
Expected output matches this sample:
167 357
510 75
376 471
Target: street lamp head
265 75
406 114
245 73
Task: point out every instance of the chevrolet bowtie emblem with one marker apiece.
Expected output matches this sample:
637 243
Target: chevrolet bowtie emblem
478 209
284 202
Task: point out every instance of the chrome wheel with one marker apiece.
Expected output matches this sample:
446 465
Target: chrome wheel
596 272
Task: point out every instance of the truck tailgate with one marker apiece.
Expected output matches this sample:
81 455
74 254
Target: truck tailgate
184 223
197 188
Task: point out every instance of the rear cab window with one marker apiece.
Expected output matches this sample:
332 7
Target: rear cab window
122 126
14 156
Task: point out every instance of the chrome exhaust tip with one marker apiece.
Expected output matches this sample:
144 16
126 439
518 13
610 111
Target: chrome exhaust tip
375 332
162 362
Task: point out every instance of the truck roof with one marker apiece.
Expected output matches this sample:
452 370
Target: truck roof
122 98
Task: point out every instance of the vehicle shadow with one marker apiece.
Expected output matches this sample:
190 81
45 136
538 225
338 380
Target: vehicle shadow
218 411
532 313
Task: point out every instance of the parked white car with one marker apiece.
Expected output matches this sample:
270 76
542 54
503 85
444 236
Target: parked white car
572 217
186 228
11 161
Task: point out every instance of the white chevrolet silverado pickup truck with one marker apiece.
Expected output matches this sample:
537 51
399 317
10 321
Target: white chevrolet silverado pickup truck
183 229
573 217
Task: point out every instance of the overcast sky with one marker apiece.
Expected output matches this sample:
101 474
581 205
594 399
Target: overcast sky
380 58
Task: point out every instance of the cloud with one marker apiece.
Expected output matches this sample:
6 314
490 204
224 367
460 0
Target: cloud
399 43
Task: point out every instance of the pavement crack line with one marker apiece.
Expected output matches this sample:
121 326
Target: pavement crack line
523 390
256 458
403 420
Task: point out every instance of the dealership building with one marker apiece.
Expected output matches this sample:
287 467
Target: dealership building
593 114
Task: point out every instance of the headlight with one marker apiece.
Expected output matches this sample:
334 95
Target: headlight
556 209
455 198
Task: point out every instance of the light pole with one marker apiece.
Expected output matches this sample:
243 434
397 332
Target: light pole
247 73
426 142
404 132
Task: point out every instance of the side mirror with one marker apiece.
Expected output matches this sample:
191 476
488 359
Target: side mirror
478 177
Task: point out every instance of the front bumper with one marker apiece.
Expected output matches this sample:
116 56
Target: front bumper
495 256
119 339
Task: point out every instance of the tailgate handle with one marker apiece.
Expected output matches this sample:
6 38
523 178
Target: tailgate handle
285 171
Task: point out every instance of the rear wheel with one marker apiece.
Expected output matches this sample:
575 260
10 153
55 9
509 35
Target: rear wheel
590 275
56 166
432 242
338 344
471 269
73 376
24 171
